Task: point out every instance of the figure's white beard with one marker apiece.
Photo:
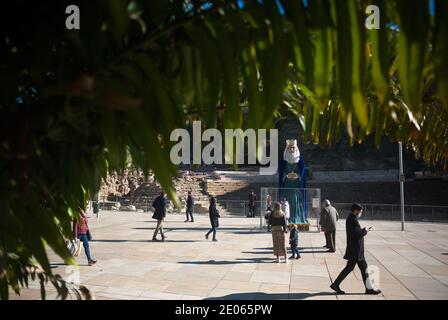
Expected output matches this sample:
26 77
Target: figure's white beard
291 157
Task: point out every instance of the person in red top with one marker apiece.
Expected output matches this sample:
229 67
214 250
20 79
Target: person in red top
81 232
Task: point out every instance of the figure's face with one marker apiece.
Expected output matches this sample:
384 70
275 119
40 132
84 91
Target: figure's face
291 153
358 213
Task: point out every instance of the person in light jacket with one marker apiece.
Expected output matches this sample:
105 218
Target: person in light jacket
285 208
329 217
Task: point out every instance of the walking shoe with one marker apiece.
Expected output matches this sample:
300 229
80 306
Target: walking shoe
337 289
92 262
292 257
372 291
214 239
331 250
298 257
192 221
206 236
186 220
155 239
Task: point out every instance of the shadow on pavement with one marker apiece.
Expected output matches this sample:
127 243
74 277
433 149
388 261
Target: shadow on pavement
189 228
118 241
273 296
220 262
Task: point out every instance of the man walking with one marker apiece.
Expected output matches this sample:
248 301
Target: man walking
159 205
252 199
268 212
190 205
354 252
328 221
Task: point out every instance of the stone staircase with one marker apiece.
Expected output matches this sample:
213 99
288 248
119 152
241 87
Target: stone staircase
237 185
231 189
186 181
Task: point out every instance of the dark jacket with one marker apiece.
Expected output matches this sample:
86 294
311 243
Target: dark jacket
278 221
355 239
214 216
252 199
159 208
190 202
294 237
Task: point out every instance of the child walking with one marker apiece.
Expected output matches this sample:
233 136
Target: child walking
294 241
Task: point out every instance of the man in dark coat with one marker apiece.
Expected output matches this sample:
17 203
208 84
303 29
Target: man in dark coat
252 199
190 205
355 251
159 205
328 220
214 218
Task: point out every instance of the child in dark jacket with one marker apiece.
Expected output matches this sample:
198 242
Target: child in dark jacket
294 241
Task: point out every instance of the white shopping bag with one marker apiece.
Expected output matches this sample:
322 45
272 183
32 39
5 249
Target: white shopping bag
78 248
71 246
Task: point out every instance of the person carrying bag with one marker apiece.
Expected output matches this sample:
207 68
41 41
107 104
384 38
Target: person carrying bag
82 234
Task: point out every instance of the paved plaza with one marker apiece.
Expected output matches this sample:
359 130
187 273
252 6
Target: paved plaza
411 264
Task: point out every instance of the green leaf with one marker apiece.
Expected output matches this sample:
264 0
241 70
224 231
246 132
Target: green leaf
380 56
274 75
351 59
295 10
441 50
118 18
208 49
321 38
412 50
230 86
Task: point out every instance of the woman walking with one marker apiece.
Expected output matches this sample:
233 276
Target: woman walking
214 218
278 222
81 231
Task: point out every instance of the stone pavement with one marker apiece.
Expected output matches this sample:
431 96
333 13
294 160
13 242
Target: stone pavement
411 264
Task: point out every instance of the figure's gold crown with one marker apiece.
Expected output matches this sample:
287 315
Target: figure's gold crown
291 142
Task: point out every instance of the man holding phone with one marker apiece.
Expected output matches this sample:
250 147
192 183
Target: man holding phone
354 253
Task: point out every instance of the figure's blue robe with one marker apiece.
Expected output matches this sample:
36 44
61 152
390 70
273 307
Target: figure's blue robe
293 190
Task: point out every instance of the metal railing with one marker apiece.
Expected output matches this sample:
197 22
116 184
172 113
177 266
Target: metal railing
126 204
238 207
143 203
391 212
372 211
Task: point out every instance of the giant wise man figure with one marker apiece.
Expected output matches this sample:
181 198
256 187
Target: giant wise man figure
291 183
